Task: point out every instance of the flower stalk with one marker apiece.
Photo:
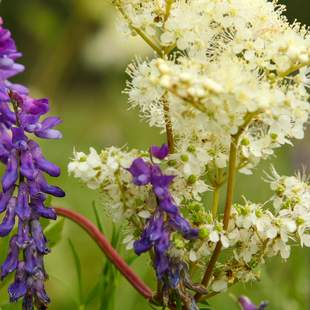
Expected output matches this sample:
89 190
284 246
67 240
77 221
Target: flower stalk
108 250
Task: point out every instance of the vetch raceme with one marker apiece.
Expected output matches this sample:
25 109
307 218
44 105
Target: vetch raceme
24 187
165 220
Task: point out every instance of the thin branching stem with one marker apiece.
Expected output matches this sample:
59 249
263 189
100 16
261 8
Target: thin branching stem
232 169
155 46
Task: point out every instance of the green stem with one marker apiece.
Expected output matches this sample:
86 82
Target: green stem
232 168
168 8
146 39
168 123
216 200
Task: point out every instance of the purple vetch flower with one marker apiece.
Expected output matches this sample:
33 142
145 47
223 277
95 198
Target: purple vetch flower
159 152
24 187
247 304
165 219
141 172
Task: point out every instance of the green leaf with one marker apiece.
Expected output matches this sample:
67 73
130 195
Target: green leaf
94 292
53 232
204 305
78 269
115 236
98 221
130 260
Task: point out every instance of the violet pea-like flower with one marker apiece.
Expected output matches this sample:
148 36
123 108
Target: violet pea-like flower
247 304
141 172
159 152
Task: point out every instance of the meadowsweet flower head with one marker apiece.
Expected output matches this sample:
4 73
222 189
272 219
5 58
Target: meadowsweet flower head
228 84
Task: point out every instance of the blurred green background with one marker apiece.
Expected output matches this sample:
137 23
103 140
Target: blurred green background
75 56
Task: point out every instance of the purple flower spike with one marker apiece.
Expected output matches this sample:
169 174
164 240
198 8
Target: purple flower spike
159 152
20 116
247 304
165 219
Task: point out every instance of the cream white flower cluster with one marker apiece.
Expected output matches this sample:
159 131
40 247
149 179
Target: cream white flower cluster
241 59
228 84
106 172
255 232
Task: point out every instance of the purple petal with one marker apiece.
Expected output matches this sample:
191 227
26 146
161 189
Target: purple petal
37 204
182 225
41 162
23 235
161 183
168 206
11 262
141 172
163 244
50 122
38 237
142 245
19 138
49 134
9 219
27 167
247 304
4 153
35 106
30 258
155 228
6 112
161 264
40 292
17 88
19 287
159 152
49 189
5 198
11 175
22 209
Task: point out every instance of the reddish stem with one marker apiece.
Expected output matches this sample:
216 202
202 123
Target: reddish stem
108 250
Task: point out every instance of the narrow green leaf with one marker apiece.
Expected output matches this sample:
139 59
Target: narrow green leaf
130 260
78 268
94 292
98 221
115 236
53 231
